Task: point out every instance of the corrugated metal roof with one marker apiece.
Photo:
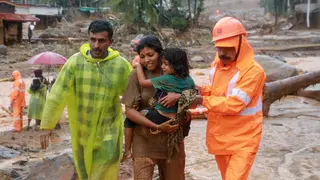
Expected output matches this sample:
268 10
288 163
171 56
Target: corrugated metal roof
18 17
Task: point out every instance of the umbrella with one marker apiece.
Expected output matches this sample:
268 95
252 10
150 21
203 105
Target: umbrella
47 58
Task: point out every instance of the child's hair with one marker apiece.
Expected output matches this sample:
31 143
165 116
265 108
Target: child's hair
178 60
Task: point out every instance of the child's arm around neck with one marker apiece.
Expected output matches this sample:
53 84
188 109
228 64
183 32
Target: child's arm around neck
141 77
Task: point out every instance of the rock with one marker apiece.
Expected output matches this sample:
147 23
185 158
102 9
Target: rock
21 162
82 25
9 175
124 30
84 30
296 54
316 149
275 69
287 26
34 149
198 73
315 40
15 175
280 58
167 32
5 175
7 153
3 50
59 167
197 59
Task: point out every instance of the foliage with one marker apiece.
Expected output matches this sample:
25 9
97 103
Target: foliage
179 23
139 12
165 13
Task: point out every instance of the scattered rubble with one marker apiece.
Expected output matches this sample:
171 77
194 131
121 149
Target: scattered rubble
7 153
60 167
197 59
9 175
3 50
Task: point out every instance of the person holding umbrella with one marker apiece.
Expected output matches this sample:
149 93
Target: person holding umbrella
38 93
90 84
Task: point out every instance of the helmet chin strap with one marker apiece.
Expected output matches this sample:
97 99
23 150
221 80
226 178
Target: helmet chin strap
239 47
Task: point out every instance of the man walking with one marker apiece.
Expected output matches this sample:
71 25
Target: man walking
91 83
234 101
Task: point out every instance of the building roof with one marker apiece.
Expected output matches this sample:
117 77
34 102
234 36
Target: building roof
18 17
12 4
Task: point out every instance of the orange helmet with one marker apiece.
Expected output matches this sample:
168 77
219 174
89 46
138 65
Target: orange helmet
227 27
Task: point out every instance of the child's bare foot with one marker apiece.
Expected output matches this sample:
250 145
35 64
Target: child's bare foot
126 156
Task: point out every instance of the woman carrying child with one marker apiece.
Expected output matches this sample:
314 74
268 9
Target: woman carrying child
164 81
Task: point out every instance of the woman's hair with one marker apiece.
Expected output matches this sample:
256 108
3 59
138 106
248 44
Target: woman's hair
38 73
151 42
178 60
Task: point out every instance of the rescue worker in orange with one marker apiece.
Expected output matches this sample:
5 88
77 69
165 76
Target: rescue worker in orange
234 101
17 100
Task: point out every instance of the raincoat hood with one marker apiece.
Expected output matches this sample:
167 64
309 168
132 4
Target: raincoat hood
16 75
85 48
246 54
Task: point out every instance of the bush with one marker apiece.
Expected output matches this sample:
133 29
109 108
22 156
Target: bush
179 23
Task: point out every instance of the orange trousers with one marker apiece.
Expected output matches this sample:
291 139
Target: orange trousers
17 117
236 166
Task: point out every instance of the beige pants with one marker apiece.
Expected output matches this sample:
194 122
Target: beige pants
172 170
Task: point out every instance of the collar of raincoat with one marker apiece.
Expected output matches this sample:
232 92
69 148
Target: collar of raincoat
16 75
246 55
86 47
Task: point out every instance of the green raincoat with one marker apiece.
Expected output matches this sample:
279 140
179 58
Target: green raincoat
36 102
91 89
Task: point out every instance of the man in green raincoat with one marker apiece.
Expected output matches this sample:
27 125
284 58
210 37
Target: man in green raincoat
90 84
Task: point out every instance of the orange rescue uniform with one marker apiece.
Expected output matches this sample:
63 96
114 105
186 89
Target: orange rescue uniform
17 100
234 103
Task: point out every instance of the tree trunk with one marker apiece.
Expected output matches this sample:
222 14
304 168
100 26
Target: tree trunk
194 11
161 18
276 12
278 89
140 13
189 7
199 10
309 94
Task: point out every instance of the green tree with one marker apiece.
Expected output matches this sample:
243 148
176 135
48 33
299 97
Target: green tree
198 8
139 12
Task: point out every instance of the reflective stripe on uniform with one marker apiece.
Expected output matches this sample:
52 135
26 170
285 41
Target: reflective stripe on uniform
211 73
19 89
232 83
252 110
232 91
240 94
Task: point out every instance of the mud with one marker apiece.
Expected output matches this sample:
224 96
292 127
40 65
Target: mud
290 146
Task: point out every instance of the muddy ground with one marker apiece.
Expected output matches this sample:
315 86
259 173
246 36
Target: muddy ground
290 147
